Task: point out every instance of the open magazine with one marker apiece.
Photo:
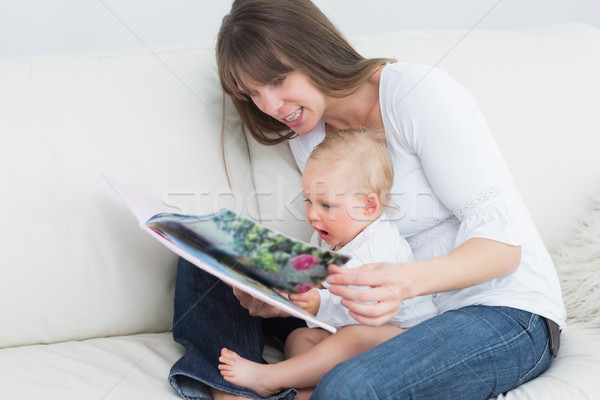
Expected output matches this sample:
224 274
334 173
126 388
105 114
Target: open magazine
239 251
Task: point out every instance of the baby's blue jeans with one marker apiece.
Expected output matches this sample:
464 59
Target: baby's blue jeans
475 352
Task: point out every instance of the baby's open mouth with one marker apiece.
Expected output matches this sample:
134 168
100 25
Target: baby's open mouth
323 234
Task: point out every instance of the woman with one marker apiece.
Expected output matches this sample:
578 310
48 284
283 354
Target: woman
288 70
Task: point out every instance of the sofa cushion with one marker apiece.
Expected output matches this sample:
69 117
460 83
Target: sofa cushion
539 90
122 367
74 264
279 189
137 366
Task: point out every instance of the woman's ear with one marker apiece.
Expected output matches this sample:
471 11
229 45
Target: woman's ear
372 205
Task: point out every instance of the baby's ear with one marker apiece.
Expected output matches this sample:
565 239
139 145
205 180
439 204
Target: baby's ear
372 205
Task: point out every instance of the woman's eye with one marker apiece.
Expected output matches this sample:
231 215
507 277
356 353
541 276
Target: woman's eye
278 81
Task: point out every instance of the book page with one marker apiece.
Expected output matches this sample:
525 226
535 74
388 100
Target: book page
215 246
247 247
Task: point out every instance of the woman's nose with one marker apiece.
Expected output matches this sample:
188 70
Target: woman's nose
271 103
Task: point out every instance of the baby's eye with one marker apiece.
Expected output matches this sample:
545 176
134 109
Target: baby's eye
307 201
327 206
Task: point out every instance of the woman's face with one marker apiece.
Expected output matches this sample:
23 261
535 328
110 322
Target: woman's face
291 99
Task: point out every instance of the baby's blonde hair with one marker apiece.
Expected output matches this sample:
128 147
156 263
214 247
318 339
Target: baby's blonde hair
364 158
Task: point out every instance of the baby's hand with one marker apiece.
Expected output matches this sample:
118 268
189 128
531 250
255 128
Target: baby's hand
308 301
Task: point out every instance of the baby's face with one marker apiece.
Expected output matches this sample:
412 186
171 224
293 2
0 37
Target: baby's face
333 208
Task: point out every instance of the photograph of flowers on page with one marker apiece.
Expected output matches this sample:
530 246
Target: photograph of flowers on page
250 249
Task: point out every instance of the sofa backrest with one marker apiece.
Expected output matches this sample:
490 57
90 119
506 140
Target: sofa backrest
75 265
539 89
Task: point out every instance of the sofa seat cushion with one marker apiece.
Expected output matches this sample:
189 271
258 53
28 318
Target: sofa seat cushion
137 366
123 367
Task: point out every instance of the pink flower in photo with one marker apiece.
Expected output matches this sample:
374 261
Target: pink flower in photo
303 287
304 261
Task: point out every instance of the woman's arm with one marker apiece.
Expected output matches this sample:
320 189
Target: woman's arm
474 262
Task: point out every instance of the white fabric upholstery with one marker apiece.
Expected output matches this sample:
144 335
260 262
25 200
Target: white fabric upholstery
135 367
119 367
74 264
278 189
83 291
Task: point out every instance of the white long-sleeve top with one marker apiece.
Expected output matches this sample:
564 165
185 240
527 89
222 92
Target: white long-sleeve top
452 184
378 242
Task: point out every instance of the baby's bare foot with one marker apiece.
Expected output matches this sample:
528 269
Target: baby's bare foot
242 372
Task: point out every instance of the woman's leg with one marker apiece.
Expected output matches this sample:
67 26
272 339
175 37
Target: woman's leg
306 369
476 352
207 318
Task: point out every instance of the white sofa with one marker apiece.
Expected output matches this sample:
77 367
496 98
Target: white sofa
86 297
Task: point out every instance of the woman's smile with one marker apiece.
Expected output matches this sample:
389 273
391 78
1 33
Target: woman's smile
294 116
294 119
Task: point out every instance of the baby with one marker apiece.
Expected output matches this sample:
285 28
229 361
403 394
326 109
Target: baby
346 185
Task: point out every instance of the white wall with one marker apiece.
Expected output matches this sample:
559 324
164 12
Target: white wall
34 26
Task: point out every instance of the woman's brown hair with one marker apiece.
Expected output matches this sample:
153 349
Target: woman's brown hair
262 40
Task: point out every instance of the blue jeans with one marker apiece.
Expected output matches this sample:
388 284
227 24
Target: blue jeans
207 318
473 353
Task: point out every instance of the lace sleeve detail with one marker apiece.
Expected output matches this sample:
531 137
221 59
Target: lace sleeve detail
489 215
480 198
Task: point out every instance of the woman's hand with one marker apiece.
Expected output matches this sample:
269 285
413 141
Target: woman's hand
377 304
309 301
256 307
476 261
